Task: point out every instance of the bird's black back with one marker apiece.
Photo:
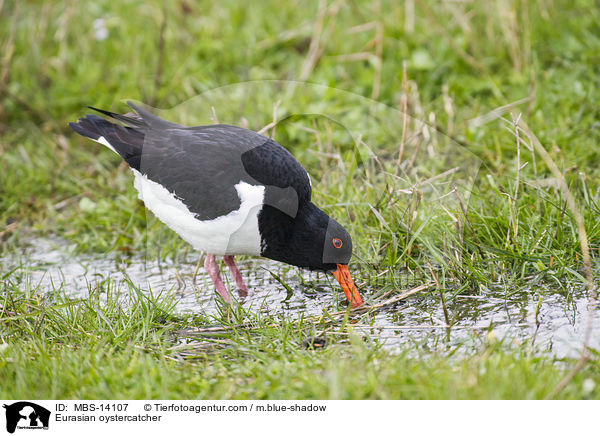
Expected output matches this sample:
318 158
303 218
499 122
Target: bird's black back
201 165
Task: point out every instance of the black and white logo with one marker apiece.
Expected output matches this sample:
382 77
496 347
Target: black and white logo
26 415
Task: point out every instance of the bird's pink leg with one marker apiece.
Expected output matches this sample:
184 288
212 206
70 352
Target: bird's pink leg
237 276
212 269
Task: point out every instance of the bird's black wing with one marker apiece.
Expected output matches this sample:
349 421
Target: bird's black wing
287 182
201 165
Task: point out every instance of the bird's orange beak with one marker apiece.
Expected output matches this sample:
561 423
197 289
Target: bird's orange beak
342 275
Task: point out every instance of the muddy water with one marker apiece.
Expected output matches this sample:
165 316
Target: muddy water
540 318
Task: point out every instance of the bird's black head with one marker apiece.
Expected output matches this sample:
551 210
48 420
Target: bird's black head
337 246
309 240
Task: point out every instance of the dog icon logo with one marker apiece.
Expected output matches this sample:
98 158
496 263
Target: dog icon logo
26 415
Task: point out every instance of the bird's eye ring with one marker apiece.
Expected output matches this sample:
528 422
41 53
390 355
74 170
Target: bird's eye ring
337 243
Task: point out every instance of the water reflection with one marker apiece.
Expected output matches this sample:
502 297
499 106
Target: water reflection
550 321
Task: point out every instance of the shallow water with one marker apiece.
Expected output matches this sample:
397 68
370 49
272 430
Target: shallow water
418 320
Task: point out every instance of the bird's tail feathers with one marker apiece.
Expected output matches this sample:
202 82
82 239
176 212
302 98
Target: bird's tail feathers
130 119
127 142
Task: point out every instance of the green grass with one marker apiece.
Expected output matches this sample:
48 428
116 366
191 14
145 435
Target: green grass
463 60
103 348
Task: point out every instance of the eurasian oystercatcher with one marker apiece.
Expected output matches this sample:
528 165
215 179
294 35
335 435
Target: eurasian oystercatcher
226 191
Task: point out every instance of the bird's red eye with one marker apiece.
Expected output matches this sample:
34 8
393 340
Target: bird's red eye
337 243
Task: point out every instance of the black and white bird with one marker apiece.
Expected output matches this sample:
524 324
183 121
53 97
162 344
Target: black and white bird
227 191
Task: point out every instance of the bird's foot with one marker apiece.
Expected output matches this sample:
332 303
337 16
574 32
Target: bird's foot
237 276
211 267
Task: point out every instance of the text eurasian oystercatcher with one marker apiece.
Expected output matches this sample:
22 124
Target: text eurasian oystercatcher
226 191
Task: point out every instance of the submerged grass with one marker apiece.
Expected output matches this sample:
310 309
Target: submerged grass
387 176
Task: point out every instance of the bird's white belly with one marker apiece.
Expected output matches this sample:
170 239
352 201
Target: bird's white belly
234 233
